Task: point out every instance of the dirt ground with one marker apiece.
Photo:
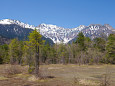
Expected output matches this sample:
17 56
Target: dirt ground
59 75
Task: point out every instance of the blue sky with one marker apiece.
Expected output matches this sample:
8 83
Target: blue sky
64 13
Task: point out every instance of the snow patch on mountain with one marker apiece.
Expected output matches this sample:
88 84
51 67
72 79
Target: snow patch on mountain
60 34
5 21
10 21
64 35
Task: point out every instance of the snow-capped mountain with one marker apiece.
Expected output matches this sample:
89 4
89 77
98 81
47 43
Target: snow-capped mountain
55 33
59 34
10 29
10 21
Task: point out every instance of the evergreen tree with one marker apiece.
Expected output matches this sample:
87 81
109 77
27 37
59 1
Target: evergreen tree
35 40
99 43
110 49
28 56
20 51
44 51
88 42
4 54
80 41
13 51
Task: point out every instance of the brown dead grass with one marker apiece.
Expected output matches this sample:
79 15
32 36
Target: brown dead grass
63 75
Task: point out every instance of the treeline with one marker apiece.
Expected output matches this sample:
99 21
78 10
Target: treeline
82 51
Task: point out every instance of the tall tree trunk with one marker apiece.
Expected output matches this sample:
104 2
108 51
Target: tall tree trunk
37 61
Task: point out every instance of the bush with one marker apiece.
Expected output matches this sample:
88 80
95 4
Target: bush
106 80
44 74
13 69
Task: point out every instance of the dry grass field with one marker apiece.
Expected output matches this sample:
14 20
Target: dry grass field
58 75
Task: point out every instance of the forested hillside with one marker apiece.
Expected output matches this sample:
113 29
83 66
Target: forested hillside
82 51
4 40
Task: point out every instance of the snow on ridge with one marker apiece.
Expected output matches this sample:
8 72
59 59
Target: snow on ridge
10 21
5 21
60 34
64 35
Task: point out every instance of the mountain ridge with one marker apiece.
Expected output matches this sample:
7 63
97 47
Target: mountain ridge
62 35
59 34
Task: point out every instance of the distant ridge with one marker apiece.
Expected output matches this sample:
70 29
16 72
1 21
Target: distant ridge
14 28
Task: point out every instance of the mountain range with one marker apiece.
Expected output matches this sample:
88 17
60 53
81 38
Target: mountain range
54 34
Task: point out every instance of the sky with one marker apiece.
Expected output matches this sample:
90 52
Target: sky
63 13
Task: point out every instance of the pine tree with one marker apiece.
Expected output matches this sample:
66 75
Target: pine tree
80 41
5 53
13 51
44 49
88 42
35 40
110 49
99 43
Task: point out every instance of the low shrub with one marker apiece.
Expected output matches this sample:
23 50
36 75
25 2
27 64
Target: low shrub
12 69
